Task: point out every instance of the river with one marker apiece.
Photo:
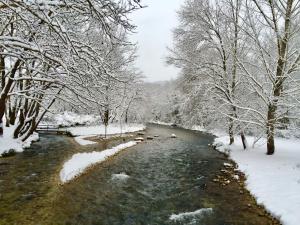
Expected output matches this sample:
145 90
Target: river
152 183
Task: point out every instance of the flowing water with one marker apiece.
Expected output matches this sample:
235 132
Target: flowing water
162 181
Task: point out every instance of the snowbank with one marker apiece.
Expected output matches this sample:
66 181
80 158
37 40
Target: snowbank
273 180
81 161
100 130
8 143
216 132
161 123
199 128
85 132
82 140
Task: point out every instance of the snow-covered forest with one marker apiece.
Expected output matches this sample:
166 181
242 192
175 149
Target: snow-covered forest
75 81
74 53
239 64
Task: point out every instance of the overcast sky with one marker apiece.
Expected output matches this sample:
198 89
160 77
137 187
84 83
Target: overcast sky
154 34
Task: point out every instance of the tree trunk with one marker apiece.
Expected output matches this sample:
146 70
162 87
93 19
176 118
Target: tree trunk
12 115
33 124
1 127
5 92
106 119
244 140
231 135
45 111
126 116
105 130
271 129
270 144
30 130
2 111
28 114
20 124
235 11
7 120
2 72
280 77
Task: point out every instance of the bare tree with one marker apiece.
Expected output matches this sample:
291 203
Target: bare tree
207 47
44 52
272 73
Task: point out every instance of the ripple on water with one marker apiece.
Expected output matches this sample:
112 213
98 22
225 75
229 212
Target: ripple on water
191 218
120 177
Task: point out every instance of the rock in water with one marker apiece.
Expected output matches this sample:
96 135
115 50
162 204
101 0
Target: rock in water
121 176
173 136
139 139
150 138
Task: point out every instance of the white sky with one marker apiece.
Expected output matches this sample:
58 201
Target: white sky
154 34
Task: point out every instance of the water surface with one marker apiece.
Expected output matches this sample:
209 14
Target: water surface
161 181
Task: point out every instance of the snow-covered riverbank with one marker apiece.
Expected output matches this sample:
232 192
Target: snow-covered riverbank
273 180
100 130
81 133
81 161
8 143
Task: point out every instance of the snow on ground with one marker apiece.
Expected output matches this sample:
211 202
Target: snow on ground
191 216
216 132
273 180
7 142
85 132
100 130
82 140
199 128
161 123
81 161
